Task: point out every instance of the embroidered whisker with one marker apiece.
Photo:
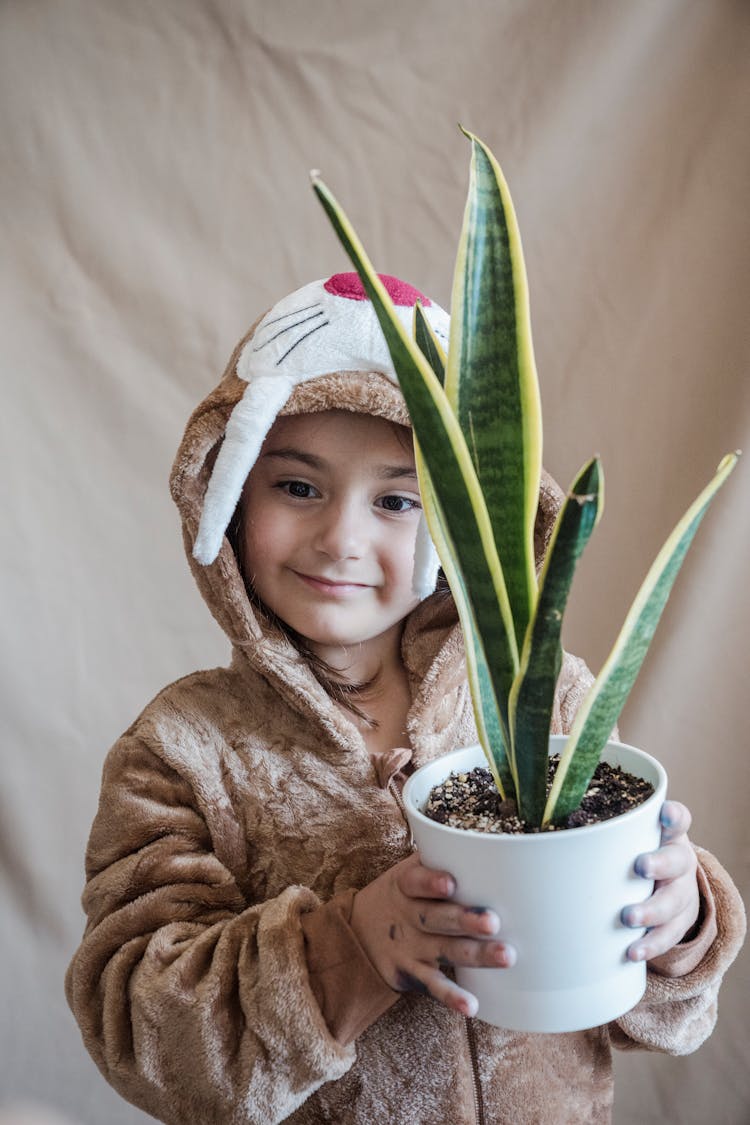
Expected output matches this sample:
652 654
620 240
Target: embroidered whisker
293 312
288 328
294 345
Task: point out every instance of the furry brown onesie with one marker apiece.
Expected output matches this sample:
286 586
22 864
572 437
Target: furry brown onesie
218 980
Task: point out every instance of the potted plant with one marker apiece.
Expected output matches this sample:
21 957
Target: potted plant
478 438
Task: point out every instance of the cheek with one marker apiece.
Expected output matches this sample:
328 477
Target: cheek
400 561
265 535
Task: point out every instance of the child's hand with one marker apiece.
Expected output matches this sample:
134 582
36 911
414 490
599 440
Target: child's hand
410 932
673 907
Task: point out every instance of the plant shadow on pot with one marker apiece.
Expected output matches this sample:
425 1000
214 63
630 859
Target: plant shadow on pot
559 896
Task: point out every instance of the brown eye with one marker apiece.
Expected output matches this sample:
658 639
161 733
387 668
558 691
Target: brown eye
298 489
398 503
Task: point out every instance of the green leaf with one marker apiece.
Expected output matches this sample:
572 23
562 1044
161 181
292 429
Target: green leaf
533 693
449 464
491 377
493 738
606 697
428 343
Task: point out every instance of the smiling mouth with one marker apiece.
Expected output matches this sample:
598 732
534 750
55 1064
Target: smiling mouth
331 586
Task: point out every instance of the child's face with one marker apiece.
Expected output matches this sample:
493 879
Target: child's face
330 515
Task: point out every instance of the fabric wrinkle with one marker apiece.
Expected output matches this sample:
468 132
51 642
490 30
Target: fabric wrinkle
219 978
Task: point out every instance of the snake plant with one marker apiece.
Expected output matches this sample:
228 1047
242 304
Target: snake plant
478 437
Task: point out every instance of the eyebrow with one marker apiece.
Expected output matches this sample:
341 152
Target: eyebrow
383 472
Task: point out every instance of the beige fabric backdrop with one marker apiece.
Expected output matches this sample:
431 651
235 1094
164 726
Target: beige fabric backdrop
155 199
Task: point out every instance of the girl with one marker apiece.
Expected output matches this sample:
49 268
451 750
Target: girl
262 942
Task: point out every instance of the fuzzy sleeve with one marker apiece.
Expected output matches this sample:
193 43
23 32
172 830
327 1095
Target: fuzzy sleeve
678 1010
195 1004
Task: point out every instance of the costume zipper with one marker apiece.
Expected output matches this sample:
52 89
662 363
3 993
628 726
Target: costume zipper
478 1099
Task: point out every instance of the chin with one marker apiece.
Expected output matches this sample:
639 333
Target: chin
334 640
339 635
318 633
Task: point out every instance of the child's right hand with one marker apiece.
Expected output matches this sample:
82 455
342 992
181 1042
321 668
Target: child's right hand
411 931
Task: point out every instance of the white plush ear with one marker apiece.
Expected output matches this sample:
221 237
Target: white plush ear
426 562
246 431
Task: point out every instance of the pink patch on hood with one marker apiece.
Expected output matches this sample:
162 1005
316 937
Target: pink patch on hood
348 285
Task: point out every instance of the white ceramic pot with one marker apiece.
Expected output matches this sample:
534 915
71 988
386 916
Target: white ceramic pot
559 896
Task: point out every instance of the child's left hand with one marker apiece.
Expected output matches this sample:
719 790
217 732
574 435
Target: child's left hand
673 907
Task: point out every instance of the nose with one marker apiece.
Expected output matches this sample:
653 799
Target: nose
341 532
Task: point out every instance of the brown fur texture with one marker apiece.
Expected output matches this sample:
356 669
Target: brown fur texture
241 800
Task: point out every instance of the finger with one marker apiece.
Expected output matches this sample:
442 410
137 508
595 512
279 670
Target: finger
669 862
659 940
417 881
452 918
664 905
467 953
429 981
675 819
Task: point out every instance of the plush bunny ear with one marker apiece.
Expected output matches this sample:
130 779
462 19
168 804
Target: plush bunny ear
426 562
246 431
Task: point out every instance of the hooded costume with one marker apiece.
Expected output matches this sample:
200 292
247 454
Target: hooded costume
219 980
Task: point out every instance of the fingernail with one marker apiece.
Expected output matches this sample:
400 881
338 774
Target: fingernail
666 819
636 953
470 1006
500 955
490 923
447 887
508 956
643 867
630 917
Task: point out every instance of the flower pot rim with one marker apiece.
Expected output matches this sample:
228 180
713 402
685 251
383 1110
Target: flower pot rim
530 839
